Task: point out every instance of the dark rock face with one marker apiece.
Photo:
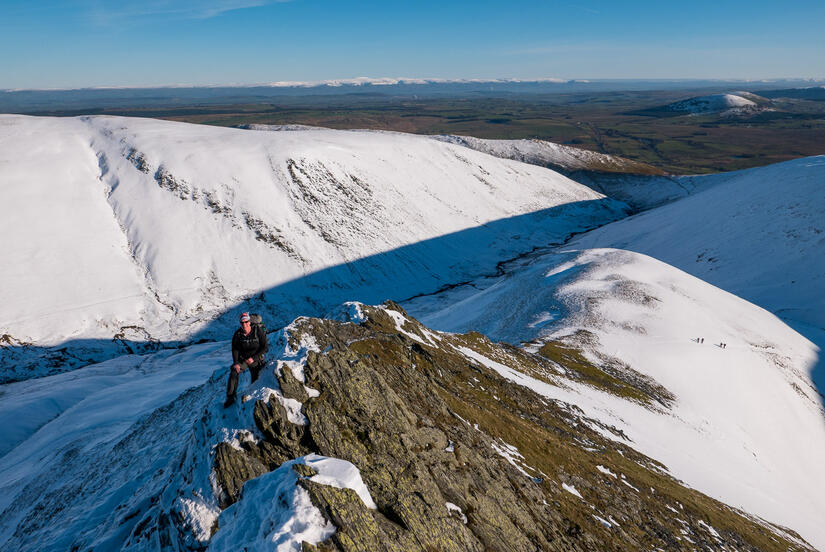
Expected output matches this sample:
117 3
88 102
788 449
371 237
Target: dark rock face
457 458
291 387
233 468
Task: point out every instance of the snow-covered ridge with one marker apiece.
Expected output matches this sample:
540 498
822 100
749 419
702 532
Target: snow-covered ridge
747 396
153 423
557 156
144 230
758 233
640 185
534 152
151 454
743 412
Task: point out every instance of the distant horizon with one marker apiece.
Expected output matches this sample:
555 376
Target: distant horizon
395 81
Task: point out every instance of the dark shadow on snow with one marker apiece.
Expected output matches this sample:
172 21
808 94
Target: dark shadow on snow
420 268
416 269
815 335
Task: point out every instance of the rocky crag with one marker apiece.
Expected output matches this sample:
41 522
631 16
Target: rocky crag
457 457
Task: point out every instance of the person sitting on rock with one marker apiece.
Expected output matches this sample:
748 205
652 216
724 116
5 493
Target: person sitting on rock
249 347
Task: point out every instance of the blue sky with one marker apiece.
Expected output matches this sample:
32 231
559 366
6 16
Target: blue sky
56 43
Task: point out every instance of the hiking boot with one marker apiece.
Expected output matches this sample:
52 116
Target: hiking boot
229 401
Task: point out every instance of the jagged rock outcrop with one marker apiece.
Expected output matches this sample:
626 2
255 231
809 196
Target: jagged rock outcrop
456 457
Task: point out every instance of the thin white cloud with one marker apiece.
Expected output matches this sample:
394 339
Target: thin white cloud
108 11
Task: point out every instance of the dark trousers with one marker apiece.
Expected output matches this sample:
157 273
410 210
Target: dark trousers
232 385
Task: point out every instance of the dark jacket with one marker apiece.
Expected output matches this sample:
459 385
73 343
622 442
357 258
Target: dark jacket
252 346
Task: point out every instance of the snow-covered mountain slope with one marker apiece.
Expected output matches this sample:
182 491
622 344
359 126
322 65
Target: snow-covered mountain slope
371 434
639 185
746 425
552 155
753 409
143 230
757 233
715 103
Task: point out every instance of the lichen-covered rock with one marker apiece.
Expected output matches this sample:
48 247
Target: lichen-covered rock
271 418
303 470
458 458
290 386
232 469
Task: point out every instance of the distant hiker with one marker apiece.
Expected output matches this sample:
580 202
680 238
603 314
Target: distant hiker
701 340
249 346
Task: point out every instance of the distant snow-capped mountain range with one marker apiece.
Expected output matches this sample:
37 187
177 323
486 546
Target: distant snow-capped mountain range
120 233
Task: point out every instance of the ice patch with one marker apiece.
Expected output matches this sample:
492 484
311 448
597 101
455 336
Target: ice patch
199 515
305 343
453 508
512 455
572 490
274 513
340 474
709 529
624 480
502 369
296 366
292 406
606 471
603 521
400 320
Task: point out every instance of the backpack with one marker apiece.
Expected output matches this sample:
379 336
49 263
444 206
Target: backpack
258 321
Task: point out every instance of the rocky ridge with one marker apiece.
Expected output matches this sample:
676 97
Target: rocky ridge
458 458
444 446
